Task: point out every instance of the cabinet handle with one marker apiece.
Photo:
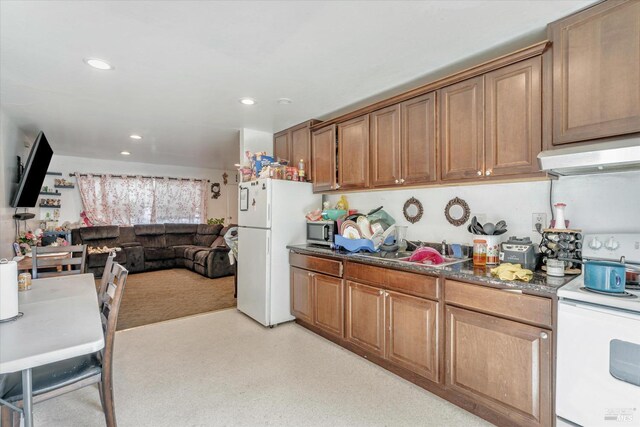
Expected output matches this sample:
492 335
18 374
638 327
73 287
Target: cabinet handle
397 181
544 335
487 173
479 173
401 180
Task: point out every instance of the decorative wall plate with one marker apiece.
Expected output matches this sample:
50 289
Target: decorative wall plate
412 210
457 211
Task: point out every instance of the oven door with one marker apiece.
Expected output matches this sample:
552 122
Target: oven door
598 365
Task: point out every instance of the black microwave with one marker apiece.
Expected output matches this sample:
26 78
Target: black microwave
321 232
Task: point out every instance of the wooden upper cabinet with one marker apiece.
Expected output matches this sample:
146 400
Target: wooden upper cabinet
365 317
328 304
323 158
301 294
385 146
412 337
281 146
517 382
513 118
301 148
418 136
596 72
353 153
462 129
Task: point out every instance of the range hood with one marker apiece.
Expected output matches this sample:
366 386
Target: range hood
607 155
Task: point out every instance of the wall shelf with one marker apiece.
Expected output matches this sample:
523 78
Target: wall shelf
54 173
50 206
64 186
49 193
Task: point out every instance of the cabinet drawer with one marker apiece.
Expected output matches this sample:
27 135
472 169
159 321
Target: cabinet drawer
414 284
409 283
366 273
526 308
321 265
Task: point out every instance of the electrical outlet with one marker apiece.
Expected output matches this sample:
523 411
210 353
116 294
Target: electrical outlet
538 218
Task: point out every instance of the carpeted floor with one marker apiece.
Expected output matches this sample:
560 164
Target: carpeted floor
161 295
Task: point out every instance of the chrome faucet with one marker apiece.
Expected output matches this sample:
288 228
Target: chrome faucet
443 250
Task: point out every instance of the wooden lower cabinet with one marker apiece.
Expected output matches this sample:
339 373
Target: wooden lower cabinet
301 294
365 317
328 304
412 334
502 364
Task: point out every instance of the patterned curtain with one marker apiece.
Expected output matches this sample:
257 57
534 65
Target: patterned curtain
137 200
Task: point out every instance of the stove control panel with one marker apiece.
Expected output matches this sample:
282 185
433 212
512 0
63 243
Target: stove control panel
612 246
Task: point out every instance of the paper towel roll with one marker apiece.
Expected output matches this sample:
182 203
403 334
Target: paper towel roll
8 289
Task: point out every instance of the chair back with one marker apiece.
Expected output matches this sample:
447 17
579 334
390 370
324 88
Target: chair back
109 307
107 275
71 260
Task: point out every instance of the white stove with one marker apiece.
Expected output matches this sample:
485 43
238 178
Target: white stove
598 348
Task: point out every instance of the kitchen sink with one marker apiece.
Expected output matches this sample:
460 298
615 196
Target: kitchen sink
404 257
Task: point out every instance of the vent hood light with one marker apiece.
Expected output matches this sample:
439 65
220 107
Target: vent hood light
247 101
136 137
125 153
607 155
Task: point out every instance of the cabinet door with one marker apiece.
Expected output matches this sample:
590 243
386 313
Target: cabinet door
462 129
281 147
328 305
365 317
513 118
323 158
596 72
503 364
418 138
301 148
301 294
353 153
385 146
412 334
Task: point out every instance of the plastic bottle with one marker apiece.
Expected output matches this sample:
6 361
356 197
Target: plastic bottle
301 172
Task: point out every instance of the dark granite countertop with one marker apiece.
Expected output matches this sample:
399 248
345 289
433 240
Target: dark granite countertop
540 284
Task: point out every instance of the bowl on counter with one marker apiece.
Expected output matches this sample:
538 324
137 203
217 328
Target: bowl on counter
333 214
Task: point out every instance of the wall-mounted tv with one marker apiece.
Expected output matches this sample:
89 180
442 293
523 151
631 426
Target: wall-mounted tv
35 170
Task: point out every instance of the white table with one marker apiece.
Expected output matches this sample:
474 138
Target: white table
61 320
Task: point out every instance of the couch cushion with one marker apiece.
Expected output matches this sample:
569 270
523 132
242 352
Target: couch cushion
180 239
99 233
149 229
209 229
99 260
201 257
191 252
219 243
181 249
204 239
127 235
180 228
157 254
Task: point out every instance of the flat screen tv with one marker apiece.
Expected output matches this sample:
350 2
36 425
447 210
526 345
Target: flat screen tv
26 196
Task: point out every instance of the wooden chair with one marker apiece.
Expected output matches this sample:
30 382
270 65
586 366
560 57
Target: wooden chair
69 260
107 276
69 375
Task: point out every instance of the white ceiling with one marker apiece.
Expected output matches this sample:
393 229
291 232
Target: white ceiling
180 67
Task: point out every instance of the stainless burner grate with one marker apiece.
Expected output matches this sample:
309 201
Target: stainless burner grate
611 294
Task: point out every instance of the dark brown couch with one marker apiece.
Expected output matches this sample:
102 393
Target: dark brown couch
198 247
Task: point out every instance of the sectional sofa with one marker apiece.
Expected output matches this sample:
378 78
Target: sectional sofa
198 247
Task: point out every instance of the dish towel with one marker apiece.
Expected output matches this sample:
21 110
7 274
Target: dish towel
508 271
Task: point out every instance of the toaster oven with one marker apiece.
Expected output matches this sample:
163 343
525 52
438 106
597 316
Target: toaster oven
321 232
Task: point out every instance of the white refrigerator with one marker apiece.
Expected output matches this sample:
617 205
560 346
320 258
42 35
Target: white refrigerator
271 215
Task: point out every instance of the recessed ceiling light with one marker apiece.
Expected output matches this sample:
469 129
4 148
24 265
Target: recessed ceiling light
284 101
135 136
125 153
247 101
98 63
